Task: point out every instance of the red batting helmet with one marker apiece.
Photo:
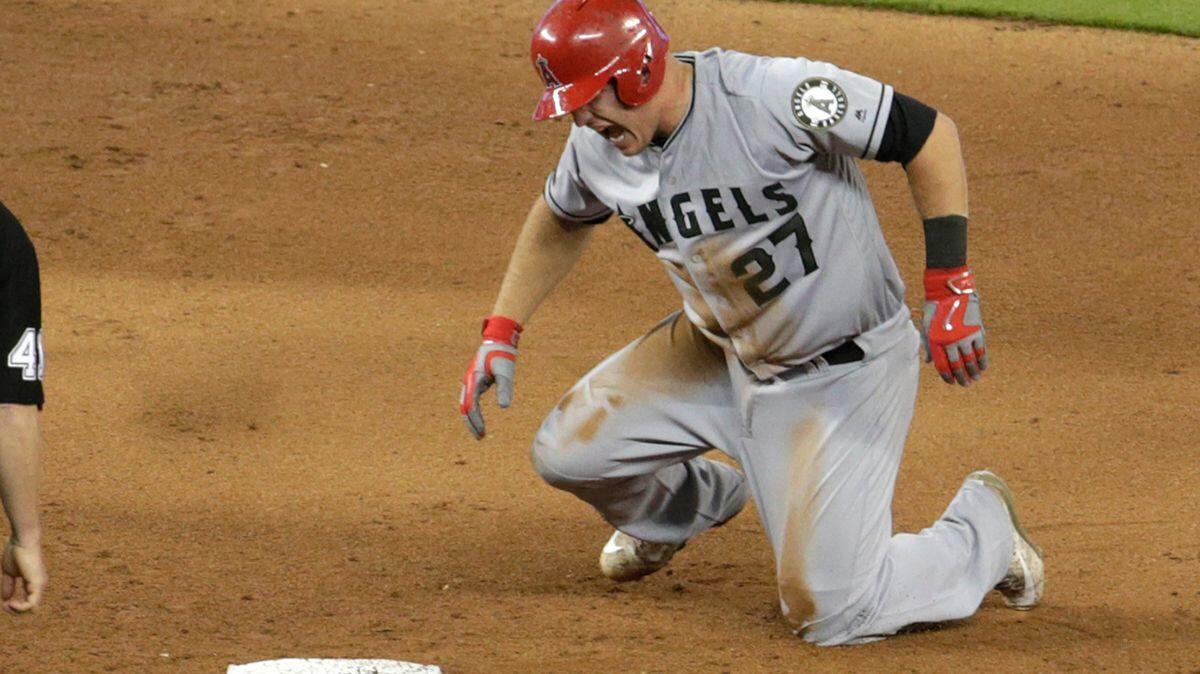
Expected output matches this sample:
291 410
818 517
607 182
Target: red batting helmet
579 45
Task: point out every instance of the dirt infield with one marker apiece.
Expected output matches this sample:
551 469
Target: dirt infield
268 232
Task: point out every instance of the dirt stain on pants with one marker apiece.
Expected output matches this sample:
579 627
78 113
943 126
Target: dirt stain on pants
794 593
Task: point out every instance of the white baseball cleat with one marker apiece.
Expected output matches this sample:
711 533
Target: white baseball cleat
627 558
1023 585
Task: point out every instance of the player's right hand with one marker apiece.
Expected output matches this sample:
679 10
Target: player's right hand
495 363
25 571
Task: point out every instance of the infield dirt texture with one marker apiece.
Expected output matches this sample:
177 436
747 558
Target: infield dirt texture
268 232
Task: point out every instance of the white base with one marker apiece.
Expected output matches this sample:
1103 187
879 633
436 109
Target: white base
332 666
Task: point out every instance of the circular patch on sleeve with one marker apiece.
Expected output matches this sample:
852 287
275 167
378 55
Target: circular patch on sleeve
819 103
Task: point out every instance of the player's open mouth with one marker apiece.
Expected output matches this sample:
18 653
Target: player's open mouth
614 134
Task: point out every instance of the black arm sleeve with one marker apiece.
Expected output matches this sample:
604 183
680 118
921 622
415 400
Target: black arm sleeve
20 316
908 127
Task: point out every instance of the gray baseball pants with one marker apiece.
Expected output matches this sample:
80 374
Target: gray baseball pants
820 453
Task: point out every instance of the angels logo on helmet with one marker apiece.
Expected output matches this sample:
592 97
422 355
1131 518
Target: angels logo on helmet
548 75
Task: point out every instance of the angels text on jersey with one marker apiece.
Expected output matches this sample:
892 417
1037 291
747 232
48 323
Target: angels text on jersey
709 210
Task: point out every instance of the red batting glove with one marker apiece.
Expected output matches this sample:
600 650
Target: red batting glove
952 325
495 363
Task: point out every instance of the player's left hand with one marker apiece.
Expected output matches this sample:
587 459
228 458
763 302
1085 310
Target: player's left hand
24 579
952 328
495 362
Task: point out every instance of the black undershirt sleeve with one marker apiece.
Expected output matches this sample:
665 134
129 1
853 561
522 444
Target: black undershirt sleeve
908 127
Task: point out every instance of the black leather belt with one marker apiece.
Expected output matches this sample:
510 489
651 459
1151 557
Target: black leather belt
847 352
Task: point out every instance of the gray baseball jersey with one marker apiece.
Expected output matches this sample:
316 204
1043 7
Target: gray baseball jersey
755 205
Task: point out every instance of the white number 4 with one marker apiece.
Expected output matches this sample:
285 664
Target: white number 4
28 355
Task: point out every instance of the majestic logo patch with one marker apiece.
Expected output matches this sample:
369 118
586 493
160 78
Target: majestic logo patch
547 75
819 103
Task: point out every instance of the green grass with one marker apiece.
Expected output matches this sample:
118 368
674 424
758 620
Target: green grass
1181 17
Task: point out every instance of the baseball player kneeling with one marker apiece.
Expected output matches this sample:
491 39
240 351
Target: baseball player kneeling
793 353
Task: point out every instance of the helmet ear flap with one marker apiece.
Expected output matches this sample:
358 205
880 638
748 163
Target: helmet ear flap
646 71
641 79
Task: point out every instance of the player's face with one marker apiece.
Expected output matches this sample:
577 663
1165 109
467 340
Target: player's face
629 129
